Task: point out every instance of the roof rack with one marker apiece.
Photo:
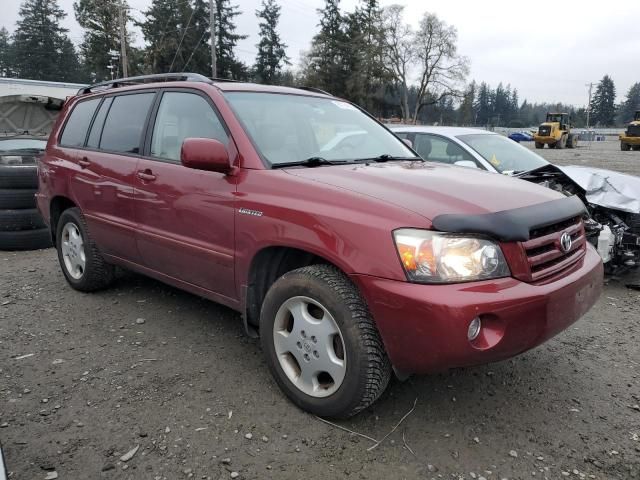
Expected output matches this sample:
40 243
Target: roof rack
161 77
314 89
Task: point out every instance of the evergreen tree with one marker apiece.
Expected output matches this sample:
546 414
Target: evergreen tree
271 51
603 106
200 35
101 45
326 67
467 111
169 32
483 105
630 105
6 54
364 59
41 49
228 66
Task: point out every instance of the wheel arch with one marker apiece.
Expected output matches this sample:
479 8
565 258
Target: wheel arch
58 205
267 265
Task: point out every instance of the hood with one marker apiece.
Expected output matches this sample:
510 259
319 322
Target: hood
431 189
606 188
34 114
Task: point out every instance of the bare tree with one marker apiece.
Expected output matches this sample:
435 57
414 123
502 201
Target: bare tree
432 51
399 52
441 68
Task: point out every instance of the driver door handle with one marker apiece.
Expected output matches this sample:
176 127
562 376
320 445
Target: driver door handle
84 162
146 175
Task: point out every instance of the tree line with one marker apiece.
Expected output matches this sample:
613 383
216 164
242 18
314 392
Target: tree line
370 56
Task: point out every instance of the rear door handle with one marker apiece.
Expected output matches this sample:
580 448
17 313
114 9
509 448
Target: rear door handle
84 163
146 175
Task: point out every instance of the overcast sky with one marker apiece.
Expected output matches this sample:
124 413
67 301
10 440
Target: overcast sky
549 54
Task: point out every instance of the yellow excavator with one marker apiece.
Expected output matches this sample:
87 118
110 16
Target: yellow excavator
630 140
556 132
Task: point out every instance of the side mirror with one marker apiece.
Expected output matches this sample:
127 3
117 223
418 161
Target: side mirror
205 154
408 142
466 163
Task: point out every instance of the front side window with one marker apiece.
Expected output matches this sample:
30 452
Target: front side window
293 128
505 155
183 115
75 131
439 149
125 121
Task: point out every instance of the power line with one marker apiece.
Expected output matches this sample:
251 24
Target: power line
181 40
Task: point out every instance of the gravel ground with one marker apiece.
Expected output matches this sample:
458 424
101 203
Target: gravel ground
86 379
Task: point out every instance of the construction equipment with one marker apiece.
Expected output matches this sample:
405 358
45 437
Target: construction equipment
556 132
630 140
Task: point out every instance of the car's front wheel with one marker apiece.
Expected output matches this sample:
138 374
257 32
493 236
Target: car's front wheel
321 343
81 262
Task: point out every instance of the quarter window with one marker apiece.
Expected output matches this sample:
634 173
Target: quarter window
183 115
125 122
75 131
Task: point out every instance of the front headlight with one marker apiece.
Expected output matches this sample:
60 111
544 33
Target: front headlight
436 257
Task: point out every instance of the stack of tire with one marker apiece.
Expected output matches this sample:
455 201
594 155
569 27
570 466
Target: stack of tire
21 226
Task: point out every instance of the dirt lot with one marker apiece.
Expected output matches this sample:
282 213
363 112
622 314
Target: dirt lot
87 378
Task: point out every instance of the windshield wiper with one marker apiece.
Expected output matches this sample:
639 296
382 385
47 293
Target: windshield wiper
310 162
385 157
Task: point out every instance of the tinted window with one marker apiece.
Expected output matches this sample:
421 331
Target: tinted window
439 149
123 128
180 116
96 129
75 131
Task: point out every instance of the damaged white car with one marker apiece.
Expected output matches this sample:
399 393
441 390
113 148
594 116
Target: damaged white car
612 198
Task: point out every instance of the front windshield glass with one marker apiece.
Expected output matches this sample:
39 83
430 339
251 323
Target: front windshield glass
554 118
293 128
504 154
7 145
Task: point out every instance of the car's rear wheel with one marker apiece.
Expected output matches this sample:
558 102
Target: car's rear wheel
321 343
81 262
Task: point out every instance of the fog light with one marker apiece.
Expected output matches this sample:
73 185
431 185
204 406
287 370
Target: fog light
474 329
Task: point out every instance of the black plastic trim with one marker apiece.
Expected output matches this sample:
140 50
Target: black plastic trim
512 225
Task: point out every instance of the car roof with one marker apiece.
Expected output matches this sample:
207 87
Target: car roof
258 87
447 131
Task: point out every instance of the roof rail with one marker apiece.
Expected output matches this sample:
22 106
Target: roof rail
314 89
161 77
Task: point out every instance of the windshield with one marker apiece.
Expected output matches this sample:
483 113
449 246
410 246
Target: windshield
292 128
13 144
554 118
505 155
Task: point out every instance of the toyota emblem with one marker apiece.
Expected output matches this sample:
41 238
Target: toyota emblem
565 242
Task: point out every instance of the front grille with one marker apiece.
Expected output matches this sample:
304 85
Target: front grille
544 130
545 255
633 131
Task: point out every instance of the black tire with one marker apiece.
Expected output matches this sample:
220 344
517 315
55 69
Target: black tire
635 148
368 369
539 145
625 147
17 199
572 141
15 220
25 240
18 177
560 144
97 274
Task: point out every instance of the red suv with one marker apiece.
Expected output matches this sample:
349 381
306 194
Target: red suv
349 255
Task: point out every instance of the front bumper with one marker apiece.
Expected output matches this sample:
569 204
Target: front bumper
544 139
424 327
630 140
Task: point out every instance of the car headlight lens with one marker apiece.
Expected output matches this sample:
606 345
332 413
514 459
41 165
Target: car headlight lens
435 257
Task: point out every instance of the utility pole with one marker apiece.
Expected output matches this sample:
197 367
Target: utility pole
123 40
212 28
590 85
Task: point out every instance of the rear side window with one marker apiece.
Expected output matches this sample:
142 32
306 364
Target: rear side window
75 131
98 123
125 121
